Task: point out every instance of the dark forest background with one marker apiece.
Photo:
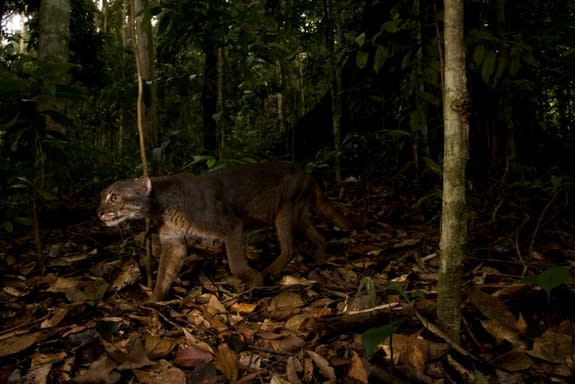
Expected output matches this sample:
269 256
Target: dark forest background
243 81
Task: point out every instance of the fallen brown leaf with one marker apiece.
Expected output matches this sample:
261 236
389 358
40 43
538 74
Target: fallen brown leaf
357 369
19 343
227 362
192 356
161 373
323 365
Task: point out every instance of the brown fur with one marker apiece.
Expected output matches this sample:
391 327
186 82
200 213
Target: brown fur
219 205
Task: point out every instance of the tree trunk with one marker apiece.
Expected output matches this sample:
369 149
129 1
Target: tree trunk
420 142
145 104
453 220
53 51
220 122
209 90
209 96
334 36
281 102
144 47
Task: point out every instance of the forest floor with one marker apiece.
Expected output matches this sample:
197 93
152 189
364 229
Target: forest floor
366 315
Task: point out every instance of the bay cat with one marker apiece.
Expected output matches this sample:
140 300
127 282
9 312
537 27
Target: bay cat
220 205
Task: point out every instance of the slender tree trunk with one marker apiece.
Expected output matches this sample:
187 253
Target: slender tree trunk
453 220
334 38
220 121
281 102
209 97
209 90
145 104
420 142
144 47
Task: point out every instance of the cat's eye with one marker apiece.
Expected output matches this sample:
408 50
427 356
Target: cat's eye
114 197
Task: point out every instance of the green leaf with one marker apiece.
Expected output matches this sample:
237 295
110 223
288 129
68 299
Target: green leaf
375 336
10 123
381 56
479 53
392 26
502 64
488 66
48 195
416 120
361 59
360 40
514 66
27 221
433 166
552 277
8 226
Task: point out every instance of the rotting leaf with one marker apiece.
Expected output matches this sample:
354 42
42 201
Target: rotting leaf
157 347
323 365
161 373
292 367
192 356
100 371
285 304
37 374
503 332
47 358
96 289
357 369
414 351
296 321
227 362
245 308
19 343
492 307
129 275
513 361
214 306
555 344
59 313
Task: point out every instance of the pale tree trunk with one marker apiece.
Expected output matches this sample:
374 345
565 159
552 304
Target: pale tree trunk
453 220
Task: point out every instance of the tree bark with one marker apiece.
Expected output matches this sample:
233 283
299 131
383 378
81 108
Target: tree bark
334 36
148 135
220 122
209 89
144 47
53 52
453 221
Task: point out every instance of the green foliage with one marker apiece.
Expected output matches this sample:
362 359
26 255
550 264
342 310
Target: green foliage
212 164
373 337
497 55
550 278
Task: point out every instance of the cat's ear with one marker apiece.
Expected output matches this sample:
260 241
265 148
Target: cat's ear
145 184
